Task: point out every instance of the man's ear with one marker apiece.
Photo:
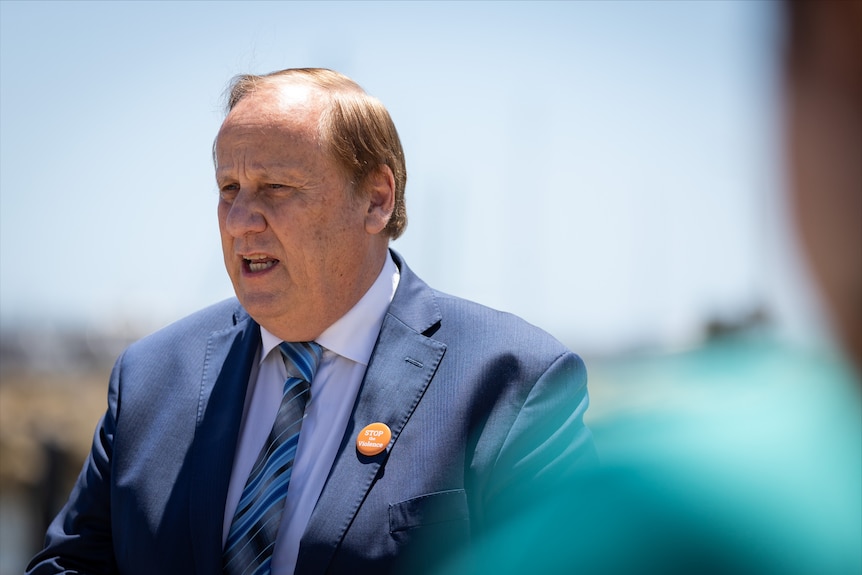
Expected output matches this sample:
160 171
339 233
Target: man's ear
380 195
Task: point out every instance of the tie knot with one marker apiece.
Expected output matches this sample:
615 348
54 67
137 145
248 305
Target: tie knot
301 357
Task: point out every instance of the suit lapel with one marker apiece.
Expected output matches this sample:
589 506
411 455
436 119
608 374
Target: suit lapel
402 364
229 357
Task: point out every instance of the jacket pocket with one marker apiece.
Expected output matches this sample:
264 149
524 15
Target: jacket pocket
430 509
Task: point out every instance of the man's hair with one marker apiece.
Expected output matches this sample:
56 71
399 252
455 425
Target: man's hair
355 125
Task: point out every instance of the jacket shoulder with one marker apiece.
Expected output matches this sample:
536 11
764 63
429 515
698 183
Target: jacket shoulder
191 331
487 325
468 325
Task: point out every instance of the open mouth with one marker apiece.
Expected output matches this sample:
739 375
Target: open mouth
256 264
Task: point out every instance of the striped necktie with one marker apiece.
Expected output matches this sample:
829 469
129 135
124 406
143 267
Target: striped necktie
250 541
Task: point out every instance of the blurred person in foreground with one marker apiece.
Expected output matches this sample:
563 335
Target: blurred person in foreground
752 461
417 427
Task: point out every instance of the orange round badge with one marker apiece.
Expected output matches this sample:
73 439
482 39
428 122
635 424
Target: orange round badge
373 439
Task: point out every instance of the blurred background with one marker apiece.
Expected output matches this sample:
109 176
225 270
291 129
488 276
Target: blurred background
611 171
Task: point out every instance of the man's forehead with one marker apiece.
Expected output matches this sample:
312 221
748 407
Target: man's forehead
291 112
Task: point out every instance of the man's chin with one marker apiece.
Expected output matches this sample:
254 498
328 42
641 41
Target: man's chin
271 313
263 307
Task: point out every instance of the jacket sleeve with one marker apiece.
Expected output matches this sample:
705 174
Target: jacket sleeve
546 442
79 539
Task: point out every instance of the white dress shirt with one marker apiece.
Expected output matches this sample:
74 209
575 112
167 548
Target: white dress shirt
347 344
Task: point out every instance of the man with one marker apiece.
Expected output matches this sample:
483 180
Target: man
311 177
823 79
760 471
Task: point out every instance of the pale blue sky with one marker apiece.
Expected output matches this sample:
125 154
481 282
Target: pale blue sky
610 171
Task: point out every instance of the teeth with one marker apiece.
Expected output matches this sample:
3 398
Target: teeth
260 266
257 263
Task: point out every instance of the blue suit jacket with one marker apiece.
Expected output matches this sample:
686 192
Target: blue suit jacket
480 404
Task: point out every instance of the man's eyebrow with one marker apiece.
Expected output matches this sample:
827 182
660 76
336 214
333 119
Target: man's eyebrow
221 172
290 174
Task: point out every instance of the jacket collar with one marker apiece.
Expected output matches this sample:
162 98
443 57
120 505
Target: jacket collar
228 361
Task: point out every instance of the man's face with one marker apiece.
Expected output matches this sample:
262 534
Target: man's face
293 231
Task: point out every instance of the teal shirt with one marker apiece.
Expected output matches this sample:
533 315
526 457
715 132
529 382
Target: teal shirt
742 457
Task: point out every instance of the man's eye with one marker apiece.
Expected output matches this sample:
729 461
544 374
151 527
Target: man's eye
229 191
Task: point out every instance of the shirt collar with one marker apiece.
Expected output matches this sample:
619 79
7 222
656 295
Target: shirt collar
354 334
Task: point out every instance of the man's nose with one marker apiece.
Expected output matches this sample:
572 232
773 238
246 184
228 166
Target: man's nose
245 215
